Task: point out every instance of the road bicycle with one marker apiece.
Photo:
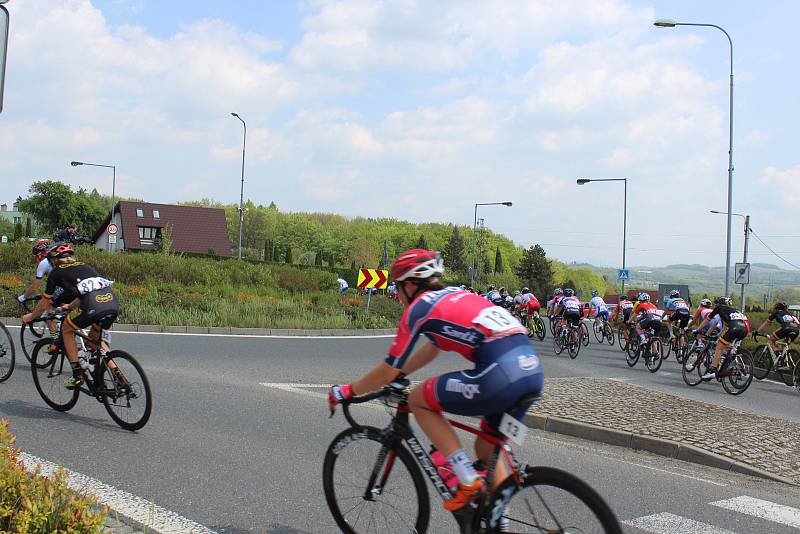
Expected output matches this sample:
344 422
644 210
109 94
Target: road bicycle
373 482
735 367
603 331
567 336
113 378
677 344
785 363
648 350
7 353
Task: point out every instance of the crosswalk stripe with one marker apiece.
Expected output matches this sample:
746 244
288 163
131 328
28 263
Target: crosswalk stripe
666 523
777 513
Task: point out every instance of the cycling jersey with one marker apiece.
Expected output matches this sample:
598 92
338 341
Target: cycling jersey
625 307
735 324
789 325
532 305
701 314
453 320
519 300
43 268
676 304
98 304
728 314
598 304
527 296
647 309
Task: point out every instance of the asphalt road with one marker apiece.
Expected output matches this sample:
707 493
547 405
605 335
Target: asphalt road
238 456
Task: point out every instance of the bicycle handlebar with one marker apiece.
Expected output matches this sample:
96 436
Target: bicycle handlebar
398 387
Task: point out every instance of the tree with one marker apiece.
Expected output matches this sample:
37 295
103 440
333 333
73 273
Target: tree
164 245
454 252
487 267
288 254
18 230
498 261
28 227
421 243
54 205
534 271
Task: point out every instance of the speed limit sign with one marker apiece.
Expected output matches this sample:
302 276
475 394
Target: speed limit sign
112 229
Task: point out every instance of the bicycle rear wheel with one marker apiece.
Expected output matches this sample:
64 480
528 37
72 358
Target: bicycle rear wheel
7 353
762 362
689 368
540 328
574 343
50 370
29 335
623 345
558 341
584 334
550 500
368 490
632 349
125 392
597 328
653 357
739 373
608 333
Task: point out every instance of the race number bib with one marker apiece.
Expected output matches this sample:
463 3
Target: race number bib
496 319
657 314
95 283
738 316
512 428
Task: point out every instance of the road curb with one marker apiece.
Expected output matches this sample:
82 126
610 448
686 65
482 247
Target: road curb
232 330
656 445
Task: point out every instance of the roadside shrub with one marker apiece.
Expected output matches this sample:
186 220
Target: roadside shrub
32 503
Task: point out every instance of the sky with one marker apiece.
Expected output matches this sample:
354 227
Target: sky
417 110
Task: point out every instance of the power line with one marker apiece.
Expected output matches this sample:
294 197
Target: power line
775 253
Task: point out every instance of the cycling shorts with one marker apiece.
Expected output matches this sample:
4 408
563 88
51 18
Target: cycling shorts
734 330
58 298
572 317
626 314
96 307
511 372
649 321
788 333
531 309
683 316
603 314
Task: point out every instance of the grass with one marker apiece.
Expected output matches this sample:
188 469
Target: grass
176 290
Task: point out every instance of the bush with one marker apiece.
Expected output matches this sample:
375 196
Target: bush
32 503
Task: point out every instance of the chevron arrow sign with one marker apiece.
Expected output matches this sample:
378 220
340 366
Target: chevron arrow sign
368 278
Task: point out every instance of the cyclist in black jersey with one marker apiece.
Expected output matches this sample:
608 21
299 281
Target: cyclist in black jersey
735 327
789 325
89 301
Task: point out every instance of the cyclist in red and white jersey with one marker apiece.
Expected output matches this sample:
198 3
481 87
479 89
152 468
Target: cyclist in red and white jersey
558 294
506 368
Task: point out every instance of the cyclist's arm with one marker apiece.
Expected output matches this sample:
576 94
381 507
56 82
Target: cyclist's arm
381 375
33 288
420 358
761 329
37 312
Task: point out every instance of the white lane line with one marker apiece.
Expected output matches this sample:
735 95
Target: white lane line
256 336
777 513
297 388
157 519
666 523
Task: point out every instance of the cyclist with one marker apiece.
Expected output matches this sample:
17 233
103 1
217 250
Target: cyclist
735 326
531 304
89 301
677 311
43 268
599 306
558 294
519 300
647 315
570 308
489 291
506 366
624 307
789 325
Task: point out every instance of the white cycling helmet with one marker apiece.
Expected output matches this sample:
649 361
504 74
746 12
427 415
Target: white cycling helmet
644 297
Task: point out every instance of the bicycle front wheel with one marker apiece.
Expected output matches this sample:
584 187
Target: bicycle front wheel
608 332
50 370
549 500
574 343
369 490
740 373
599 331
29 335
7 353
584 334
125 390
632 350
540 328
689 368
653 357
623 345
762 362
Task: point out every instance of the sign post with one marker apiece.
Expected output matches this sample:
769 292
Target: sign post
4 22
372 278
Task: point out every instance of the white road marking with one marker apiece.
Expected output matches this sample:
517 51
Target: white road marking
666 523
777 513
257 336
155 518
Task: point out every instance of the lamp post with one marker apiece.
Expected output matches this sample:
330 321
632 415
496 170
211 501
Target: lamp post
241 193
474 241
667 23
113 186
746 241
583 181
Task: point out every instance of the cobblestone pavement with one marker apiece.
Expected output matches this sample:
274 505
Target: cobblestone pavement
767 443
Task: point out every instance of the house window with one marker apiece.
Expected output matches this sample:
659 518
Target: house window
148 235
140 213
156 214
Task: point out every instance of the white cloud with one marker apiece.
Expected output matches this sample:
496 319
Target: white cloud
785 182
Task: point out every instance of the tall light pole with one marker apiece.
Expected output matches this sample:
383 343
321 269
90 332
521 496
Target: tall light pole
241 193
113 186
474 241
667 23
582 181
746 241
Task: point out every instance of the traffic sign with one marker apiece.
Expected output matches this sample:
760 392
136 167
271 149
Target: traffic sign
369 278
623 274
742 271
112 239
112 229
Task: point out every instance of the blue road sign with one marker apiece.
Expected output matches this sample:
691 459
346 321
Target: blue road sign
623 274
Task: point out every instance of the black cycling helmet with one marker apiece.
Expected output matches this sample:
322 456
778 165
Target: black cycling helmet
623 297
525 290
722 301
780 305
674 293
569 292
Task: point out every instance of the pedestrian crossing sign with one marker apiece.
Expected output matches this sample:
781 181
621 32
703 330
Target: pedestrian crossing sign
623 274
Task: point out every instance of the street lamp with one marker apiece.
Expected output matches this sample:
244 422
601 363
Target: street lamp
113 185
583 181
746 241
241 193
474 240
667 23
